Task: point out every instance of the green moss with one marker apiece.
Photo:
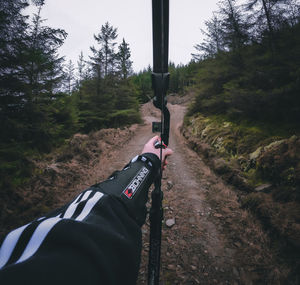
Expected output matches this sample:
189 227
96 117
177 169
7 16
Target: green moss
187 121
225 136
261 154
253 177
238 137
289 176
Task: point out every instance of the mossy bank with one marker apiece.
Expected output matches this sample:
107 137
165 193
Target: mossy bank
263 167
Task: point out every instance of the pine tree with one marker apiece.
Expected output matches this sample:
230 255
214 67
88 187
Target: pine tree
31 113
142 81
106 40
70 76
81 65
234 26
213 42
13 28
97 65
42 65
124 64
267 16
226 31
42 79
263 15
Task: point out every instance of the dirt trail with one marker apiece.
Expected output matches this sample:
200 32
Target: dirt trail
213 240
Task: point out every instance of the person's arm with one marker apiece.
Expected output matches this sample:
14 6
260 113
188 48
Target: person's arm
95 239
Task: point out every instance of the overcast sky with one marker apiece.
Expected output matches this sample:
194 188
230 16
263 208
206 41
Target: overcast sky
81 19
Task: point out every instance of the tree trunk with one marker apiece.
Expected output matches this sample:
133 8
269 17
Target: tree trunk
267 13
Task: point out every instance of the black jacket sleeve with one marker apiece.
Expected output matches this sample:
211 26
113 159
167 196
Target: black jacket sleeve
95 239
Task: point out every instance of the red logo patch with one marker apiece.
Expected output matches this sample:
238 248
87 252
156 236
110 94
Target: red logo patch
128 193
135 183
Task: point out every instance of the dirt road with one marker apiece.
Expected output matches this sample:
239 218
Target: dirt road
213 241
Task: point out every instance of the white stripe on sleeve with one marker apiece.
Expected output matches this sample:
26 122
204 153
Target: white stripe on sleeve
72 208
134 159
43 230
89 206
9 244
86 195
38 237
